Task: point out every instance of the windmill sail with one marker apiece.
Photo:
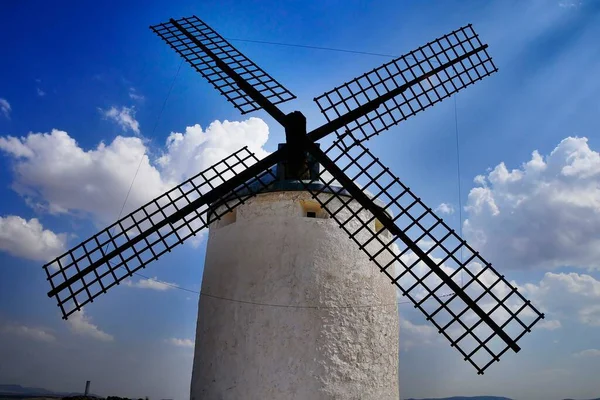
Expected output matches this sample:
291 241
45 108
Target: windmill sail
91 268
247 86
484 316
385 96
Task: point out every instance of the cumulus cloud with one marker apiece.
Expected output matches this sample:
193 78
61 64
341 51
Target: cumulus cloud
412 334
570 4
590 315
544 214
181 342
37 334
124 117
550 324
588 353
5 107
15 147
196 149
445 208
54 174
29 239
81 324
134 95
40 92
151 283
566 296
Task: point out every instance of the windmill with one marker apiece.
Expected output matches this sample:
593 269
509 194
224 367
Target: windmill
346 184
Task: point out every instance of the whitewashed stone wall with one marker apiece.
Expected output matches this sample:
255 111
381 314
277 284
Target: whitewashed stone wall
339 341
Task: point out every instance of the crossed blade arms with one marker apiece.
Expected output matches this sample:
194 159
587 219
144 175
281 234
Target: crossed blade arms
482 318
416 250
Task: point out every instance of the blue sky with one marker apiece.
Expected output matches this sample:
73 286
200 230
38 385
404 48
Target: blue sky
99 75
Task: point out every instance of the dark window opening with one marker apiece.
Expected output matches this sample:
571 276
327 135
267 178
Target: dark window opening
312 209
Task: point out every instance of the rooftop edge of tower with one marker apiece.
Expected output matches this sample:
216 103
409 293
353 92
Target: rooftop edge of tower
274 180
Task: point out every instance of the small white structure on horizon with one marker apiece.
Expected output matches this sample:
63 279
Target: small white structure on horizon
313 317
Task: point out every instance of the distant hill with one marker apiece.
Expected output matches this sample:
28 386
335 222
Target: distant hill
18 391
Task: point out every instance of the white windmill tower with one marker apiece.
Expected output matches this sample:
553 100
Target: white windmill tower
317 321
293 306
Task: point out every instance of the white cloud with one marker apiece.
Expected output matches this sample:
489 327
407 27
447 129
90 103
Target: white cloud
590 315
15 147
197 149
150 283
445 208
125 117
550 324
588 353
545 214
81 324
29 239
56 175
181 342
40 92
134 95
412 334
5 107
37 334
570 4
566 296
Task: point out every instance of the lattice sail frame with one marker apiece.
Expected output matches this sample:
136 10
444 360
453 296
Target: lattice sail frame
466 331
427 74
206 66
150 220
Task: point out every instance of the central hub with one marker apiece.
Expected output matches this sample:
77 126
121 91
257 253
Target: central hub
296 165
